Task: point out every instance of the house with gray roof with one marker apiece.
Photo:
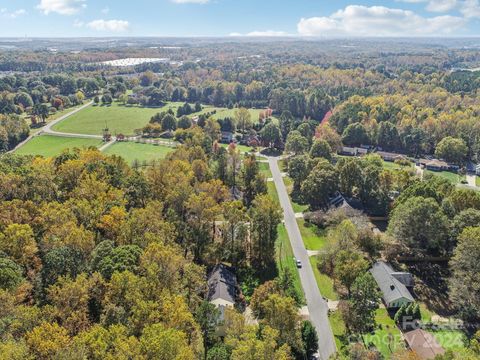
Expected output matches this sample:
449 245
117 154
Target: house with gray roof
222 286
393 285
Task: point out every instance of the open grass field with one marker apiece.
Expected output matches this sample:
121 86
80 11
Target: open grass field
388 165
324 282
132 151
243 149
119 118
285 258
48 145
313 238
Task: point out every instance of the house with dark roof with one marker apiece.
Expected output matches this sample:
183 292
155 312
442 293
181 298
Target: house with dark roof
423 344
393 285
222 286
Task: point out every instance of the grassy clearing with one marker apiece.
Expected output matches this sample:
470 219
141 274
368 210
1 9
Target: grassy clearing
450 339
324 282
285 258
477 181
132 151
272 191
387 338
119 119
52 117
313 237
265 169
48 145
242 148
388 165
338 329
451 177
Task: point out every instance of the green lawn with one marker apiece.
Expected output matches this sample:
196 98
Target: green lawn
242 148
118 118
265 169
450 339
53 117
285 258
392 166
131 151
48 145
272 191
387 337
451 177
324 282
313 237
338 329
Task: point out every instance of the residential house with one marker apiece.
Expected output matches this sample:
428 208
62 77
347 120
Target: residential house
434 164
353 151
423 344
222 292
393 285
227 137
391 157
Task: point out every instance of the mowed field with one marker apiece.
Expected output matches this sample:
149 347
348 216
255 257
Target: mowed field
49 145
132 151
119 119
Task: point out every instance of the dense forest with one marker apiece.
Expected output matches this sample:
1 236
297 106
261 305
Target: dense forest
103 260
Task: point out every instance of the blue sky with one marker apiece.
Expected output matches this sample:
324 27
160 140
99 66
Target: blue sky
324 18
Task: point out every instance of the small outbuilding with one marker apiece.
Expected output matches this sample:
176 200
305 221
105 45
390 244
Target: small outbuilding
393 285
423 344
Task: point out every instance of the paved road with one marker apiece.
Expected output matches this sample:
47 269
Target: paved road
47 129
317 306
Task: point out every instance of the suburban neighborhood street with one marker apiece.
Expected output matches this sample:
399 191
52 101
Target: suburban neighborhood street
317 306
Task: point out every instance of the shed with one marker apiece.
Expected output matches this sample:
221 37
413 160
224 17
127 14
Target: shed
423 344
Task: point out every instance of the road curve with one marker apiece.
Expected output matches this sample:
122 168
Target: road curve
47 129
317 306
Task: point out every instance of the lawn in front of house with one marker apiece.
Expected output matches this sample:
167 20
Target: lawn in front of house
324 282
131 151
389 165
49 145
117 117
338 329
387 337
451 177
285 259
313 237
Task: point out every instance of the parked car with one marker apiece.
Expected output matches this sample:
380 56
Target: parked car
299 264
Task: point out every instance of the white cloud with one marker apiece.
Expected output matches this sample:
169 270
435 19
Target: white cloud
468 8
267 33
12 14
190 1
357 20
109 25
63 7
436 5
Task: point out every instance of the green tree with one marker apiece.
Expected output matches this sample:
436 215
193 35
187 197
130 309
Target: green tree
265 218
169 122
320 184
296 143
452 150
348 266
309 338
11 274
207 317
355 134
321 149
465 282
420 224
271 135
243 119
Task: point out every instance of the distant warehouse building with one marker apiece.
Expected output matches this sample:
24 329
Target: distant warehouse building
393 285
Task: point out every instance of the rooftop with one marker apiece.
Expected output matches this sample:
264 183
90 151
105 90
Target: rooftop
390 282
